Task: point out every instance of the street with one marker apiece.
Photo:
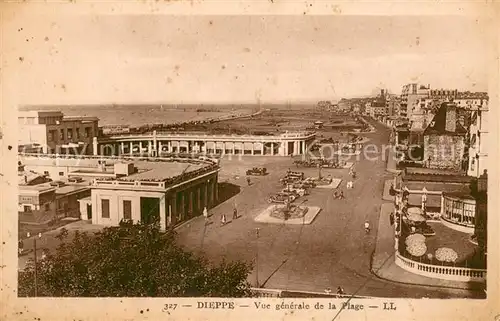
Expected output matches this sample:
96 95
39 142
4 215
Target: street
333 251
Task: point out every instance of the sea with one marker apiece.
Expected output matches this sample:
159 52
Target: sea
138 115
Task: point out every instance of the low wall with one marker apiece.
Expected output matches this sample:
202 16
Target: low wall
457 226
441 272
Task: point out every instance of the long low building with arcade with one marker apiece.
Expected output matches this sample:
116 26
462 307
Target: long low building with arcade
158 143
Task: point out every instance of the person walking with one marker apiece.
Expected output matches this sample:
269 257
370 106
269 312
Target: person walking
367 227
205 214
235 213
222 219
248 181
391 218
340 290
341 196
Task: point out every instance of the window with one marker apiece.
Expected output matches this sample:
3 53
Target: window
78 133
70 133
52 135
87 132
61 173
27 209
61 134
46 173
127 210
473 140
47 206
105 208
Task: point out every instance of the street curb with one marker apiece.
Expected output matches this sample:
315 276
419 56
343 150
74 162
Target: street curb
393 171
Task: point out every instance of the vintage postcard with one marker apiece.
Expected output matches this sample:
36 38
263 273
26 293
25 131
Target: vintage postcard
210 160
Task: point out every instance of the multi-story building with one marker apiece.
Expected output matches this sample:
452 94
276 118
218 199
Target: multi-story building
393 105
54 133
410 94
444 140
379 106
471 100
478 142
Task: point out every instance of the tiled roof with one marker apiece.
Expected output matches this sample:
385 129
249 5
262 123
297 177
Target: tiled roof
438 124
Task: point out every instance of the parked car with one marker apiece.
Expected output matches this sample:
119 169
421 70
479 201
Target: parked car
257 171
299 175
296 190
76 179
282 198
57 183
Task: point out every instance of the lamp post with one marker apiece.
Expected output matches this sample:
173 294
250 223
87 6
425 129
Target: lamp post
35 259
257 258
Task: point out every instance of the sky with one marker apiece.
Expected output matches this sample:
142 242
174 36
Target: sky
92 59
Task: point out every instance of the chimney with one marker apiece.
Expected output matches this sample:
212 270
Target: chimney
451 118
382 93
482 182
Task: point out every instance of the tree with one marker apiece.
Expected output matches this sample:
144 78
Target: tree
131 260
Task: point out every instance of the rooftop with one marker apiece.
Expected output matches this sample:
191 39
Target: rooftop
160 170
68 189
155 169
36 188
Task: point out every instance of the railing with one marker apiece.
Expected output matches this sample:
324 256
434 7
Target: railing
266 293
419 191
156 183
441 272
98 182
175 157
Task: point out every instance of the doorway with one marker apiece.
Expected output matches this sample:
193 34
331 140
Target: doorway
150 210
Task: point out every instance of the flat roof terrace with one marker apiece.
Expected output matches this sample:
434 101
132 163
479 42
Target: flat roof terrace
148 169
162 170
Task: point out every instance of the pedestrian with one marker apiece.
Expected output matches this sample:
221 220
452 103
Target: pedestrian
235 213
340 290
248 181
335 195
205 214
20 247
391 218
406 193
223 219
341 196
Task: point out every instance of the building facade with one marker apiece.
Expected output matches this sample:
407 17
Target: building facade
55 133
478 142
410 95
168 202
459 209
36 204
444 140
158 143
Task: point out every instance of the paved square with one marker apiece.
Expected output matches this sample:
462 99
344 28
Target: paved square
333 251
